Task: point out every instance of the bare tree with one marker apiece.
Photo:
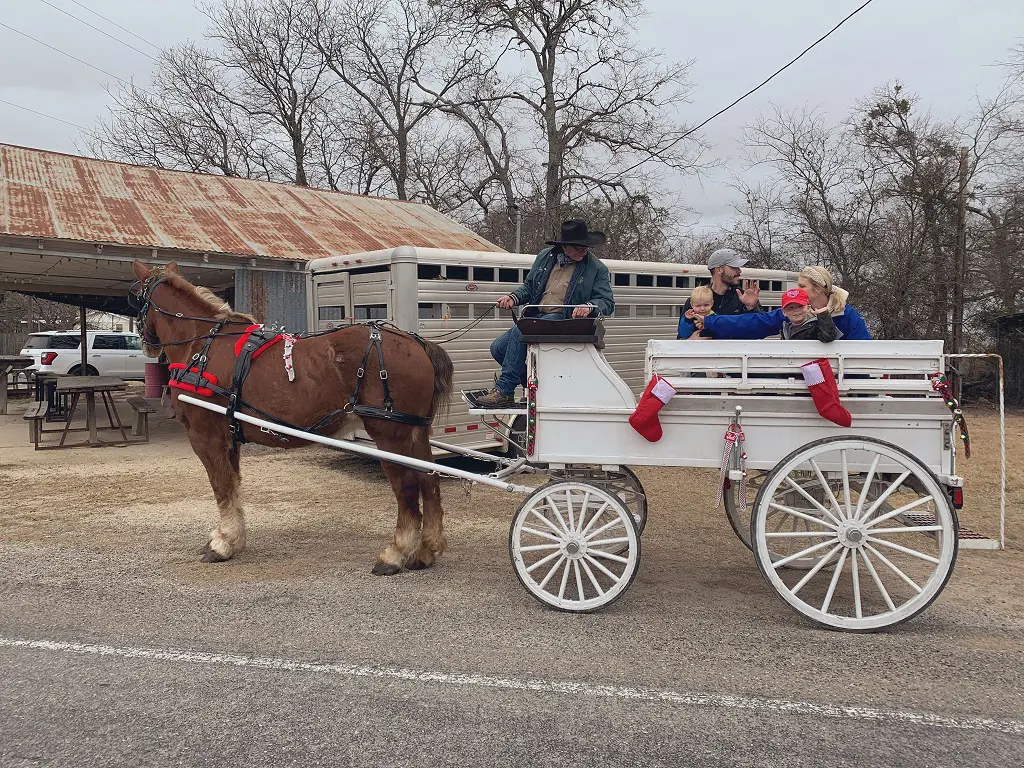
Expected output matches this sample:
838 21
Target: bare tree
385 53
601 104
874 199
245 108
280 76
181 121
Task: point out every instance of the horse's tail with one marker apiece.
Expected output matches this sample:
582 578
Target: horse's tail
444 372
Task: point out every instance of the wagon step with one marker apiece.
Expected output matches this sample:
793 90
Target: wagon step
969 539
470 396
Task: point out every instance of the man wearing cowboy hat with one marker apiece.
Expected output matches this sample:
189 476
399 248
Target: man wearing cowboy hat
564 279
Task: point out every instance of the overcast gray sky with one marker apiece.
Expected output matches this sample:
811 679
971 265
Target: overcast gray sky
945 50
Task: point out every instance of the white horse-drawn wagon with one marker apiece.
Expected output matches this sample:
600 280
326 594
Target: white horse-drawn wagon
855 528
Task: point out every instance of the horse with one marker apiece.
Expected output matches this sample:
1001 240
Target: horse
336 378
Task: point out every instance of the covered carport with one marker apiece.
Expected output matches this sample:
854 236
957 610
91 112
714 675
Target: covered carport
71 226
58 271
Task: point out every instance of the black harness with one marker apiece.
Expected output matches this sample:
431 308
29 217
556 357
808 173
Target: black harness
195 378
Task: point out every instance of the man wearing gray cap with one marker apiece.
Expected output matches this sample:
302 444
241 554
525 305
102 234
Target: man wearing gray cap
725 265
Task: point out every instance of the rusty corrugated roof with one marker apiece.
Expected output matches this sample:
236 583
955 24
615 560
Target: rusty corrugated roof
56 196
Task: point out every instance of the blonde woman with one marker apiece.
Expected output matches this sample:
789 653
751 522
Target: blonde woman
823 296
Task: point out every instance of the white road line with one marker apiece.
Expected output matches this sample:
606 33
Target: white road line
656 695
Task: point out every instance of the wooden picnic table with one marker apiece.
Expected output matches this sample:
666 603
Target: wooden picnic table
90 386
9 364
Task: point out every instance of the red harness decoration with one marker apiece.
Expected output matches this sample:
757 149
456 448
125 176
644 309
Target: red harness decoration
207 380
245 337
204 378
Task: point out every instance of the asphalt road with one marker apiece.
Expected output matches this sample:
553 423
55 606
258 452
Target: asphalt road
453 667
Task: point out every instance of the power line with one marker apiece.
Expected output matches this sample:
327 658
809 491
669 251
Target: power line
110 21
65 53
102 32
756 88
41 114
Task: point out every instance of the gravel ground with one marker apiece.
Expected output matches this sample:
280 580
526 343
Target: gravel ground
102 546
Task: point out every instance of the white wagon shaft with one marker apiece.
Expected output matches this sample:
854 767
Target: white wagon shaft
853 528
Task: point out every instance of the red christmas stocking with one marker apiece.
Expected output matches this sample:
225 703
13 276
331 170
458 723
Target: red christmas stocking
645 418
822 384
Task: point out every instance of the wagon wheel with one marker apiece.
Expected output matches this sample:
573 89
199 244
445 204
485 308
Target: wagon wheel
874 569
561 543
739 515
622 483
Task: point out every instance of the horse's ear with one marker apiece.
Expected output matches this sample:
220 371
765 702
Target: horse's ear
172 268
142 272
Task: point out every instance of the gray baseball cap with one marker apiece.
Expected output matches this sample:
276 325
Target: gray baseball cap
725 257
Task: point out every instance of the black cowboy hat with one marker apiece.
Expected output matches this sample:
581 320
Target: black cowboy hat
575 232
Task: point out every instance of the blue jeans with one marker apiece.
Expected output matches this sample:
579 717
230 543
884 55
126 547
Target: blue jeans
509 351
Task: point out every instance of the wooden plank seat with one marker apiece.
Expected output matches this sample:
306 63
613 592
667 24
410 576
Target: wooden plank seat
34 415
142 409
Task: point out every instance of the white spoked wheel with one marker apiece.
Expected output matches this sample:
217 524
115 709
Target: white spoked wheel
740 515
884 540
622 483
574 546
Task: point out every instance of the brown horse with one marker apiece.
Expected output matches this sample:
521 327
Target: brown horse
178 317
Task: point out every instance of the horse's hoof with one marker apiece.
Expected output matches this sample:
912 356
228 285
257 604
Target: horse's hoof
384 569
418 565
209 556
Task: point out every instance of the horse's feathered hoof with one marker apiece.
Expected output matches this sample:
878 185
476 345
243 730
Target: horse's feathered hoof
384 569
209 556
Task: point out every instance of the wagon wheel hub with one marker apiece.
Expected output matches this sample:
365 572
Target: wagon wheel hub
853 534
574 549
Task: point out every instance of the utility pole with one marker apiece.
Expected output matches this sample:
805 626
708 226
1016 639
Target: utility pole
960 265
518 213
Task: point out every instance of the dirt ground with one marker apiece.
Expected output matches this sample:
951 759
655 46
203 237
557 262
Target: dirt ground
312 508
99 550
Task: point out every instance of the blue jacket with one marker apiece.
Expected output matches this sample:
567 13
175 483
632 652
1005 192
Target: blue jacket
759 325
590 283
687 327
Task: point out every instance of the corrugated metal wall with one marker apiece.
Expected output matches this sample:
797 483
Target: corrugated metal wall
274 298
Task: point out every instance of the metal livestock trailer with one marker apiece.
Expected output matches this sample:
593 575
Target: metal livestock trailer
437 292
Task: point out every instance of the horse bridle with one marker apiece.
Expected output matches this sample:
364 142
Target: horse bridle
140 298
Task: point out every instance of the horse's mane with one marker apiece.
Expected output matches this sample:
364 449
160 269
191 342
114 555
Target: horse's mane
215 306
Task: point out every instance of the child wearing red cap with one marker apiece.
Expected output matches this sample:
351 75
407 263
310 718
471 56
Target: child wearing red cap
804 324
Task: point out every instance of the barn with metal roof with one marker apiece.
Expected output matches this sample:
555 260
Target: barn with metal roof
70 227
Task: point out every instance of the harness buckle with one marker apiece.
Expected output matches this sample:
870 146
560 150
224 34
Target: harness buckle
195 356
383 375
359 373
